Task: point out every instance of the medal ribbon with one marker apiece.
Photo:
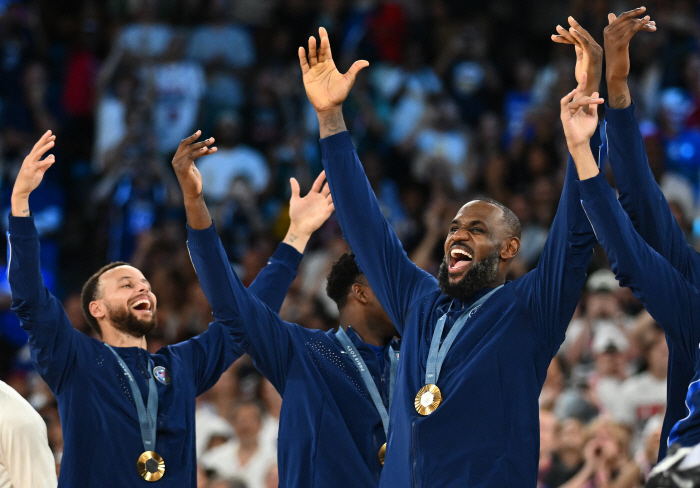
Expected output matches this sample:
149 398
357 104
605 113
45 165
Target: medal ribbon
437 354
147 416
367 377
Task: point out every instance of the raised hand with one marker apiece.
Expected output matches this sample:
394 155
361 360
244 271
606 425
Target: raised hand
183 163
308 213
579 116
589 54
31 173
617 37
325 86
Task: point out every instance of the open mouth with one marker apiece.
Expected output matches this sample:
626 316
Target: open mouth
142 304
460 258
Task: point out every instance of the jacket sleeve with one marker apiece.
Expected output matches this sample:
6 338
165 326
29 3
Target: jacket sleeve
273 282
640 195
552 289
247 321
396 281
52 339
667 295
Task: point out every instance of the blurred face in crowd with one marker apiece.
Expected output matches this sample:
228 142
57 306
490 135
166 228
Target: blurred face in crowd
609 362
602 304
247 421
607 438
126 301
657 357
475 242
571 435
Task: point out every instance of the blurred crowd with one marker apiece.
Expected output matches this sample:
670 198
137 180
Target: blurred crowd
460 99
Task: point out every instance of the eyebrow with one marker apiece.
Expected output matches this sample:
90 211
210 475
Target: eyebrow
144 280
473 222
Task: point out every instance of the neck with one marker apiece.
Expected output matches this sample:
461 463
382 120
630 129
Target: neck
248 444
117 338
369 334
659 373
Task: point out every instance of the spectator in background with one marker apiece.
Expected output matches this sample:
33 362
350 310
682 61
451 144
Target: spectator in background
643 395
567 458
233 160
244 458
178 86
146 38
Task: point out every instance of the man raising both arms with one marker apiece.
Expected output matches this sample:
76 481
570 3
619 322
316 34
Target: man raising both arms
336 386
127 415
474 349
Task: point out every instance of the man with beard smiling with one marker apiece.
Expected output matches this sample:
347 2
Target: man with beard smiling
128 415
475 348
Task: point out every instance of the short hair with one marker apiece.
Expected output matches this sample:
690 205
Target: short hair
91 291
343 275
510 220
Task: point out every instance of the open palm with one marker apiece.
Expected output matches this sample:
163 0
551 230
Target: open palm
325 86
309 213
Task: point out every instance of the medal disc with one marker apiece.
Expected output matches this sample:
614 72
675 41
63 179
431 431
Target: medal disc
151 466
382 453
428 399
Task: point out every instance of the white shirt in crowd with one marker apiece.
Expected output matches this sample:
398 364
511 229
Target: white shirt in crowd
25 458
220 169
223 460
179 87
640 397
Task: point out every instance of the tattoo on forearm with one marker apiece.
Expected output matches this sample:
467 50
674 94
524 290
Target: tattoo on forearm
292 238
333 123
25 211
619 102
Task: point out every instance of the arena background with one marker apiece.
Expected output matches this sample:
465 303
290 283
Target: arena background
460 95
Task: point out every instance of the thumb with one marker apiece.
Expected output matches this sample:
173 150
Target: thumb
354 69
611 18
295 187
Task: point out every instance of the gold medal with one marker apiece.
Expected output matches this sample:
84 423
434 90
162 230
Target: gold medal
382 453
428 399
151 466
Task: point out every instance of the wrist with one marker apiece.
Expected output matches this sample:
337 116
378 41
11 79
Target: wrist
20 205
331 121
296 237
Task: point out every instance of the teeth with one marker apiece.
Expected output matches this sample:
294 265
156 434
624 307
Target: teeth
455 253
143 300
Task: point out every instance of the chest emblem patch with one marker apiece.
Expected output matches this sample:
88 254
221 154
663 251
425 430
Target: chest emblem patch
161 374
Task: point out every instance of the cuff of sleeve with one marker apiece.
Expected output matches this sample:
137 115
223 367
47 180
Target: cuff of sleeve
621 117
288 255
203 237
594 188
335 144
22 226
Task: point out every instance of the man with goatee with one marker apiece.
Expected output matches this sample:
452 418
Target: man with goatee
127 414
475 347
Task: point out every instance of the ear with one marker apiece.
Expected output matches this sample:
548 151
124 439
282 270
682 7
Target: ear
358 292
97 309
510 248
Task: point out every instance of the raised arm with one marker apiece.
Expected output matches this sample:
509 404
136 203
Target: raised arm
250 324
396 281
306 214
669 298
52 338
553 288
640 195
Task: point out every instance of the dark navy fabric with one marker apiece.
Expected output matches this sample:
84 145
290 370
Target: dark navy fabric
486 431
101 434
330 431
642 199
669 297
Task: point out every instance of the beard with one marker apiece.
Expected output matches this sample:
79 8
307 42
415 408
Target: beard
125 321
480 275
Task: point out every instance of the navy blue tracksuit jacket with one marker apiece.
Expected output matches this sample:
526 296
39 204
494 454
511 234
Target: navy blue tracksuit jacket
668 296
101 434
486 431
330 431
643 201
